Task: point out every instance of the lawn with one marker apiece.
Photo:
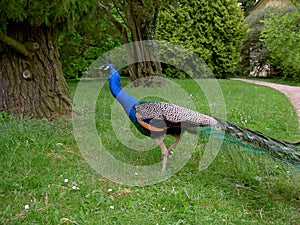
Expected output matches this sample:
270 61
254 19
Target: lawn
40 163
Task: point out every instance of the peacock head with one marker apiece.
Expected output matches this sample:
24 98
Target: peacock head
108 69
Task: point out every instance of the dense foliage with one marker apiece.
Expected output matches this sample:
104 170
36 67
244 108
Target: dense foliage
281 35
83 44
247 5
212 29
49 13
273 39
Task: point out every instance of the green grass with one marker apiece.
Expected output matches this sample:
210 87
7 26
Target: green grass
237 188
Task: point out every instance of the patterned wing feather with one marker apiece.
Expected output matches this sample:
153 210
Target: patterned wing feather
172 114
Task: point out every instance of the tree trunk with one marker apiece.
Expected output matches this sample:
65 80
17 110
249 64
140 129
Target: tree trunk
31 78
141 20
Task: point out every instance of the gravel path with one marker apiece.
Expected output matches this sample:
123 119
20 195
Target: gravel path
291 92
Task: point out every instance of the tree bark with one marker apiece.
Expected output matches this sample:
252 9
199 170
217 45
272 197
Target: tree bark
31 78
141 19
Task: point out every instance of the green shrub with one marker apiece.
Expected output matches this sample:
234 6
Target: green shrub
269 41
212 29
281 35
81 46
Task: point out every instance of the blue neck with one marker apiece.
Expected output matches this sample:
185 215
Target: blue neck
127 101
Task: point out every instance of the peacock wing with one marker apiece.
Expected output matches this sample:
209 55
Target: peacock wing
163 115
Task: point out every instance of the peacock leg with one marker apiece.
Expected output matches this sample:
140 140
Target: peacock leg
177 139
164 151
172 146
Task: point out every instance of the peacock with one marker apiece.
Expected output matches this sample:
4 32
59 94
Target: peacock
157 119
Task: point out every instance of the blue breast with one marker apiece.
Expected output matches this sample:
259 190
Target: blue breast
133 118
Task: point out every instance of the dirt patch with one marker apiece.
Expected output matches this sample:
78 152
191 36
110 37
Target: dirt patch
291 92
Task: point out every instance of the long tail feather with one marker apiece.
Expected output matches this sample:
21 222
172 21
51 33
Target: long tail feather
258 142
295 144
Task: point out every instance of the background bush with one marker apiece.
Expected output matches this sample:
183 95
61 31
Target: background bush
281 35
212 29
272 38
86 42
